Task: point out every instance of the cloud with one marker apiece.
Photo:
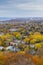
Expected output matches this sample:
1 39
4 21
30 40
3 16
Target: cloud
17 8
30 6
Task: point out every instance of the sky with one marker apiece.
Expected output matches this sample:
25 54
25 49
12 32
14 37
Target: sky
21 8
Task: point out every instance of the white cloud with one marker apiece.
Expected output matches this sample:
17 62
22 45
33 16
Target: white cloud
18 8
30 6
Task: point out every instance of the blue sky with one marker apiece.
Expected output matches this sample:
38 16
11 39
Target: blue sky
21 8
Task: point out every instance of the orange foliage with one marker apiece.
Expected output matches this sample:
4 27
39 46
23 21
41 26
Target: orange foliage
11 58
37 60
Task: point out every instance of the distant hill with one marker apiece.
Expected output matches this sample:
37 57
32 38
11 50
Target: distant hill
20 20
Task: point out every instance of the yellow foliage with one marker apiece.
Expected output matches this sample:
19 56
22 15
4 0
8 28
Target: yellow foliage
26 39
21 52
18 35
33 41
4 37
38 45
26 49
36 37
0 43
15 33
